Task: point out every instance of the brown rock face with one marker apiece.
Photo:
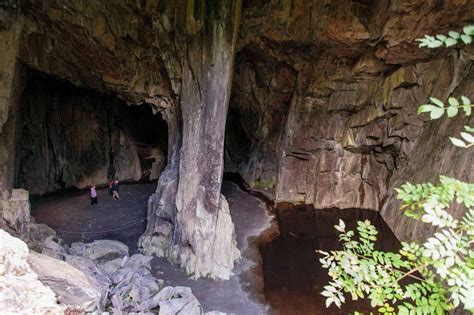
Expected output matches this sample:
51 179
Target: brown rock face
72 137
350 133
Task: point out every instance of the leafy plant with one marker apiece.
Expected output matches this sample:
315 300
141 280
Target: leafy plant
448 40
429 278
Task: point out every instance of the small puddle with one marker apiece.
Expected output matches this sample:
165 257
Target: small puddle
293 277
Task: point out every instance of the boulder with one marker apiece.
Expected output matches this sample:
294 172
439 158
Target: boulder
100 251
20 290
73 287
37 234
111 266
52 247
133 283
101 281
173 300
16 209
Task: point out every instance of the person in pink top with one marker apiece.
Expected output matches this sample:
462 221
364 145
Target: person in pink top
93 195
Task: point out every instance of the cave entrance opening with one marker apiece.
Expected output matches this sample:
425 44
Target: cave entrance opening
70 138
237 141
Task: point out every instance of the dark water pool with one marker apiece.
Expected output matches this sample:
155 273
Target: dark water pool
293 275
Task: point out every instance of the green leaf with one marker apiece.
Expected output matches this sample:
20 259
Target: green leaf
457 142
450 42
433 44
453 102
468 129
465 100
467 109
469 138
436 113
437 102
452 111
454 34
466 39
426 108
441 37
468 29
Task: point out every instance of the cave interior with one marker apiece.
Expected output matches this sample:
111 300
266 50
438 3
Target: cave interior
311 104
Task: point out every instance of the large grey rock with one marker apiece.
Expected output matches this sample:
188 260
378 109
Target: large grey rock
100 280
133 283
72 287
39 234
173 300
15 209
99 250
53 247
20 290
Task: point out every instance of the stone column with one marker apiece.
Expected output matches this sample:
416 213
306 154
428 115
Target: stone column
197 232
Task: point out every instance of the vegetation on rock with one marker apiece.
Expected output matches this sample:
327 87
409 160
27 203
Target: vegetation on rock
429 278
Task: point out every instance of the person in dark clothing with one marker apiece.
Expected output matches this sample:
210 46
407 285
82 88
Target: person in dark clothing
93 195
114 189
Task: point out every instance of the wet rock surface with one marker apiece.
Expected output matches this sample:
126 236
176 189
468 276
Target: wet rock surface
243 292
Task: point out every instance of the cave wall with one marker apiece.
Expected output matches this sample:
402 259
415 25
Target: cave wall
74 137
177 56
323 100
350 132
261 95
11 86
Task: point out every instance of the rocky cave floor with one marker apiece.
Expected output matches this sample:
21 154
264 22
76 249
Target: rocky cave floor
75 220
279 271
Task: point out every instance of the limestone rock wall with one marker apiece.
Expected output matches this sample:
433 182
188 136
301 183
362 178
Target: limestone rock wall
72 137
350 132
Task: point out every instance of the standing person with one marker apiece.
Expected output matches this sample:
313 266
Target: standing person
110 186
93 195
114 188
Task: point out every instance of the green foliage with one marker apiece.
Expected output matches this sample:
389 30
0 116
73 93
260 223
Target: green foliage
448 40
442 267
440 270
436 108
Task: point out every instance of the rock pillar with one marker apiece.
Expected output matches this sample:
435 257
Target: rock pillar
189 220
